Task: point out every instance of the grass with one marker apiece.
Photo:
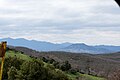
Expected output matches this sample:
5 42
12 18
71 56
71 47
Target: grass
83 77
11 53
73 76
89 77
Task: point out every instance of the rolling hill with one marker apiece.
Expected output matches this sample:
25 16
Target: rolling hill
18 53
99 64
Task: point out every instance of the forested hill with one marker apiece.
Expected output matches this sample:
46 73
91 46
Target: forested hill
19 66
100 65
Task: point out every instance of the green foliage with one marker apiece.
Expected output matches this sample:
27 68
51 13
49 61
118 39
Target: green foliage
89 77
73 71
50 66
30 70
57 65
33 70
79 76
12 73
60 76
18 54
18 66
9 62
51 61
66 66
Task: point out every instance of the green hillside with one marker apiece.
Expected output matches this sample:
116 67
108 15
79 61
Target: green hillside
12 53
20 56
83 77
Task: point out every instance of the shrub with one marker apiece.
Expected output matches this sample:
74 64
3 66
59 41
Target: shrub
66 66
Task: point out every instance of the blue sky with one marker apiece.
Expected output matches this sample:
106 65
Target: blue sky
87 21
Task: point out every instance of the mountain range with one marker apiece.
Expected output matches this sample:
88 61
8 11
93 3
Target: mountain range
67 47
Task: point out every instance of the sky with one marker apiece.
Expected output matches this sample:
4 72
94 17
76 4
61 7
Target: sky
93 22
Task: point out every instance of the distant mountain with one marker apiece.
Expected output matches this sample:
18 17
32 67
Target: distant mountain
36 45
112 48
83 48
68 47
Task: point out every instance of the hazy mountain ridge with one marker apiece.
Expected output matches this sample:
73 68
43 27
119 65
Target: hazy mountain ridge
85 49
112 48
68 47
33 44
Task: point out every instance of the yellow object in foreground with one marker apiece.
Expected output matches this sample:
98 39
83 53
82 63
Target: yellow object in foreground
2 55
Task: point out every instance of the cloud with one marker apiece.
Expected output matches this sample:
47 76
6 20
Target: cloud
61 20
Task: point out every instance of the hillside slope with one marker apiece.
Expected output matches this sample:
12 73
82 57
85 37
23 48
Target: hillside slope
111 56
14 54
101 65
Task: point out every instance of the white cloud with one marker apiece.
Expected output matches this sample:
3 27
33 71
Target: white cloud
89 21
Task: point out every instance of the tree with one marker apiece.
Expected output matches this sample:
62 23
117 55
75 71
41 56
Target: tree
44 59
73 71
66 66
57 65
9 62
36 70
12 73
32 70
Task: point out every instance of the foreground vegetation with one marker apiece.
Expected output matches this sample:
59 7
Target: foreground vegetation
97 65
19 66
22 67
79 76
